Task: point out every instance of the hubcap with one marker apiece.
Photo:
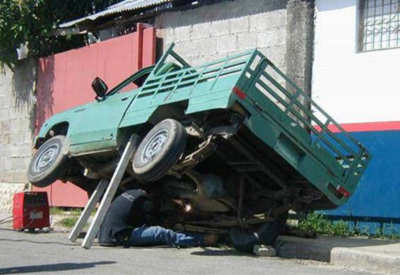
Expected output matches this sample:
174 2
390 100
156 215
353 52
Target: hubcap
46 158
154 146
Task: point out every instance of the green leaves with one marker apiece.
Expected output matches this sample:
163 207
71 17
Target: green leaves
33 22
320 224
19 24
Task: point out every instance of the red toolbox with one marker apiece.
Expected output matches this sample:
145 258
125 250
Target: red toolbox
31 210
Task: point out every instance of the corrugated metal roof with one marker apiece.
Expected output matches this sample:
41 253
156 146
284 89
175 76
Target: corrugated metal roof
127 5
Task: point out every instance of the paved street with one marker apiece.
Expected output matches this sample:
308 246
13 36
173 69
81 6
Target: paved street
52 253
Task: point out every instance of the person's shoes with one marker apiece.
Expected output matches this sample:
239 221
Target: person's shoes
211 239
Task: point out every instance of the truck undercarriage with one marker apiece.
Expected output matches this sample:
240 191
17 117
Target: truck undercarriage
226 177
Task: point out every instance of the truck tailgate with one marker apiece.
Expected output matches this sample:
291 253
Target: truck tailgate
309 139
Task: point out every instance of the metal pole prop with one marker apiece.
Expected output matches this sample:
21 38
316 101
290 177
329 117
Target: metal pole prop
83 219
110 192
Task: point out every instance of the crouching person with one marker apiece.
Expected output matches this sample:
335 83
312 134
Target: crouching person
126 224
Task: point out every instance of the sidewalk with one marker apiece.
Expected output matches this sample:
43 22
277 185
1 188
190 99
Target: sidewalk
361 254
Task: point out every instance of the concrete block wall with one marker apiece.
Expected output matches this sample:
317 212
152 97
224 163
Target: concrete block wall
214 31
283 30
16 129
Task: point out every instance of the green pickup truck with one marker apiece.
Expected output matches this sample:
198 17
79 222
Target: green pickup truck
232 144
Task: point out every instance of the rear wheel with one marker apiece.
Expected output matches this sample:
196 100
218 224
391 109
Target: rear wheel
159 150
244 239
49 162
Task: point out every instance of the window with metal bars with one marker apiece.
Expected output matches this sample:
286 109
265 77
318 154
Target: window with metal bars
379 25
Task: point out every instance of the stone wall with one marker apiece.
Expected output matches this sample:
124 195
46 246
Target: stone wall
215 31
283 30
16 129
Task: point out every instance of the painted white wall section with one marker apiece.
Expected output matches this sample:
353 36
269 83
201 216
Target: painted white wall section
352 87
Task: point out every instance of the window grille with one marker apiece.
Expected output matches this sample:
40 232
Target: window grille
379 25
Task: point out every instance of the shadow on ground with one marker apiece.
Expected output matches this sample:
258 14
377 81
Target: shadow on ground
220 252
51 267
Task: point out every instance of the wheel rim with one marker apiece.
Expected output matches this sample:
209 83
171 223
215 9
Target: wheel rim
46 158
154 146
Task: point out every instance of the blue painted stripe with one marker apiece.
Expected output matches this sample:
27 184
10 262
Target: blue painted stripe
377 197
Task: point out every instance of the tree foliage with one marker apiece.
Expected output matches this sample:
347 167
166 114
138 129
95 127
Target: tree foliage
34 22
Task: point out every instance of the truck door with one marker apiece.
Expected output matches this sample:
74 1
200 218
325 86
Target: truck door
98 123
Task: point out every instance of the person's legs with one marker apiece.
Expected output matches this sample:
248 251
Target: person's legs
156 235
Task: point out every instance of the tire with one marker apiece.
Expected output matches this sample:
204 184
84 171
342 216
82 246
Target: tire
159 150
49 162
244 239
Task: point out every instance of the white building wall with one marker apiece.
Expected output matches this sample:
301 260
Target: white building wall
352 87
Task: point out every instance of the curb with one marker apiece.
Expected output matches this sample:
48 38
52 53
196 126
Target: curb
360 254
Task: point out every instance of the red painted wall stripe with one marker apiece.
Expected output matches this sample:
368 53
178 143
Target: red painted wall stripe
367 127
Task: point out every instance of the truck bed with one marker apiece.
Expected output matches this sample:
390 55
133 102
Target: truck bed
281 116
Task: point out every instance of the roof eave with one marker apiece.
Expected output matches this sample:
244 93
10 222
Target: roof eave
115 12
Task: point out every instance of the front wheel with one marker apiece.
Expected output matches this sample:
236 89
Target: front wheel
244 239
49 162
159 150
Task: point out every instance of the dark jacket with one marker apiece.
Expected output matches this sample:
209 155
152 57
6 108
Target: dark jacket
128 211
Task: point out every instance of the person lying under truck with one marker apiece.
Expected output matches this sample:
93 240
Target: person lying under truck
128 223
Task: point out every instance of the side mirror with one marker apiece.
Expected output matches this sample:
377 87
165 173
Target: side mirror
99 87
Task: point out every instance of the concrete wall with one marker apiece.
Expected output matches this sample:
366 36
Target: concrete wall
16 129
215 31
300 43
280 29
